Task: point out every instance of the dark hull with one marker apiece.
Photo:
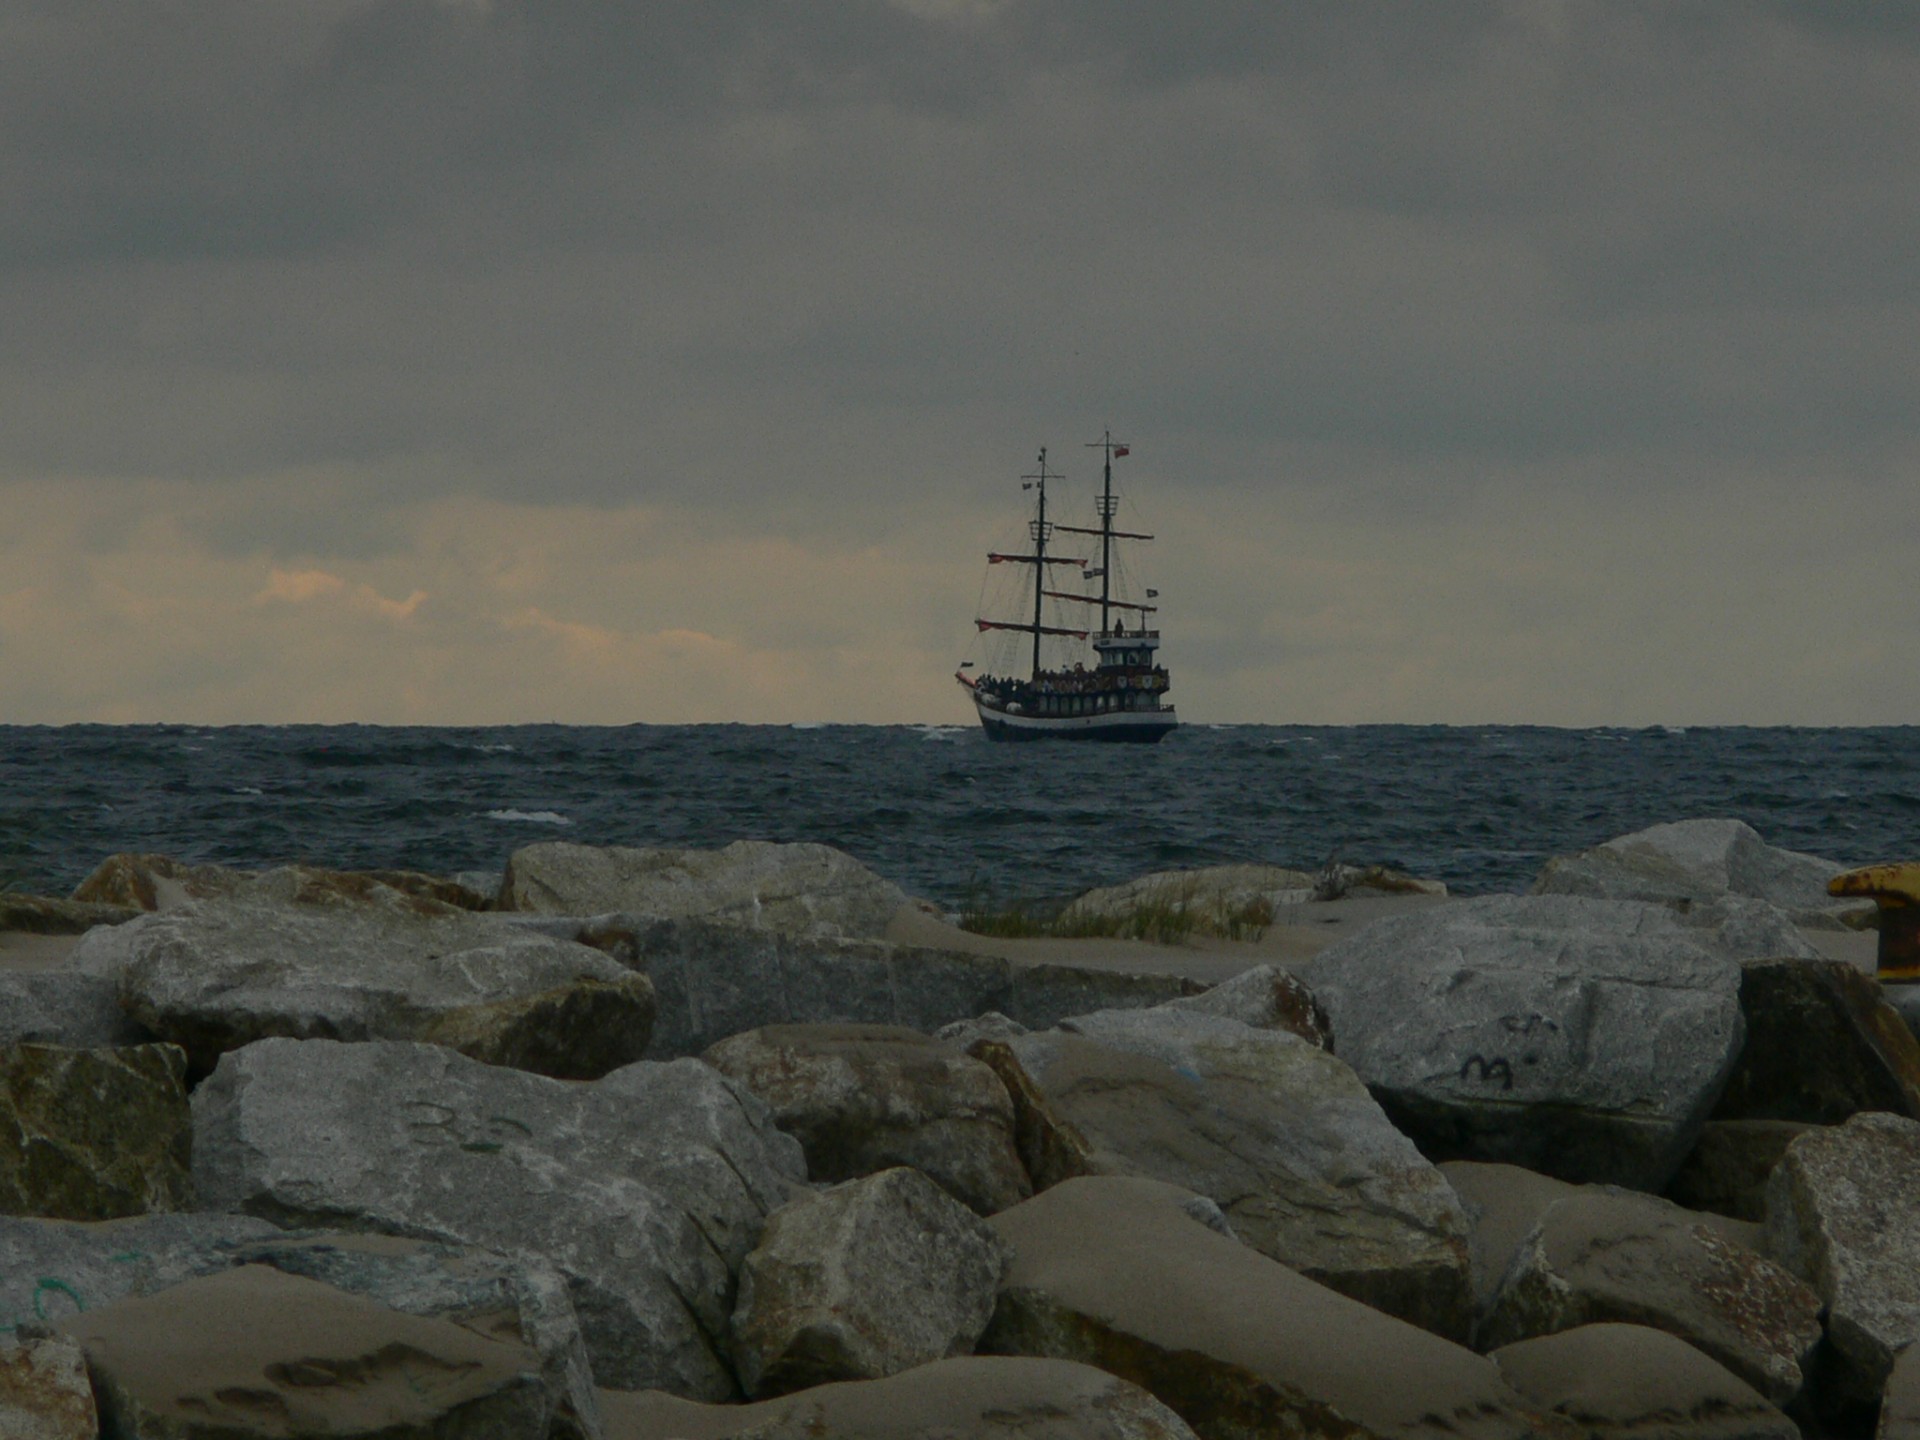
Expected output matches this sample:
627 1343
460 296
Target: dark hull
1117 727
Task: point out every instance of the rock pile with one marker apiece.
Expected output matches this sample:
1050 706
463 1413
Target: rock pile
672 1143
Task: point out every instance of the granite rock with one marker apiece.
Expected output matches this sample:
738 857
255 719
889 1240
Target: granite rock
715 980
1588 1039
1639 1260
156 882
1843 1211
645 1189
790 889
1267 998
1218 899
257 1351
1636 1383
93 1134
292 954
971 1398
65 1006
1900 1401
44 1390
48 915
1115 1272
1822 1044
1691 861
864 1098
1728 1168
863 1280
52 1269
1281 1134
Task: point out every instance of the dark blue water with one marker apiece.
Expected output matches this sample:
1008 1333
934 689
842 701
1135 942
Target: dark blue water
938 810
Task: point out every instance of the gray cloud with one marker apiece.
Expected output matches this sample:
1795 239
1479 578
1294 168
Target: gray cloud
814 270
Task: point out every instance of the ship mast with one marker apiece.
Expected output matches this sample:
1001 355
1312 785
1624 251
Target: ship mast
1039 527
1106 443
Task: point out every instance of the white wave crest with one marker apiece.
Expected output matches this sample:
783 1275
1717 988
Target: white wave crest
530 817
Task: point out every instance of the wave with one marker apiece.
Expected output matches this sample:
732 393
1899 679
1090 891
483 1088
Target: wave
529 817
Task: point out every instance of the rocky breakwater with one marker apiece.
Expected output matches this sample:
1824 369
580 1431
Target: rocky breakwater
1097 1202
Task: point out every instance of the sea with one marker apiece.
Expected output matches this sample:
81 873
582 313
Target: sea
935 808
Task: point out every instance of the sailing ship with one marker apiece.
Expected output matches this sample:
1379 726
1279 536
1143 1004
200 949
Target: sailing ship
1122 696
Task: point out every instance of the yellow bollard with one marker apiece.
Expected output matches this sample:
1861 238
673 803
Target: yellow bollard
1896 890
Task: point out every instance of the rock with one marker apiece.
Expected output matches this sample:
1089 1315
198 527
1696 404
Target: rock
1900 1404
789 889
93 1134
44 915
257 1351
1691 861
990 1026
1114 1272
1727 1169
51 1269
1745 929
156 882
1282 1135
1502 1204
44 1391
864 1098
64 1007
1596 1257
973 1398
1822 1044
521 1302
1218 900
1587 1039
1339 882
645 1189
1267 998
292 955
864 1280
1843 1211
713 980
1632 1381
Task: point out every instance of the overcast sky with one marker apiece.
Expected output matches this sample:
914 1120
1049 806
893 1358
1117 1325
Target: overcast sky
467 361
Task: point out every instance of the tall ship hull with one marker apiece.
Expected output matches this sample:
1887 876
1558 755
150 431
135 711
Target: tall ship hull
1121 697
1112 727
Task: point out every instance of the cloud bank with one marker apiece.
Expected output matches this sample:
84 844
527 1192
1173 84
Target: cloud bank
455 361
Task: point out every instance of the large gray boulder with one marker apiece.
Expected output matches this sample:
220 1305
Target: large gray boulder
51 1269
790 889
1689 862
645 1189
1843 1210
1636 1259
289 956
864 1098
863 1280
1279 1133
93 1134
1119 1273
1637 1383
713 980
970 1398
255 1351
1588 1039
